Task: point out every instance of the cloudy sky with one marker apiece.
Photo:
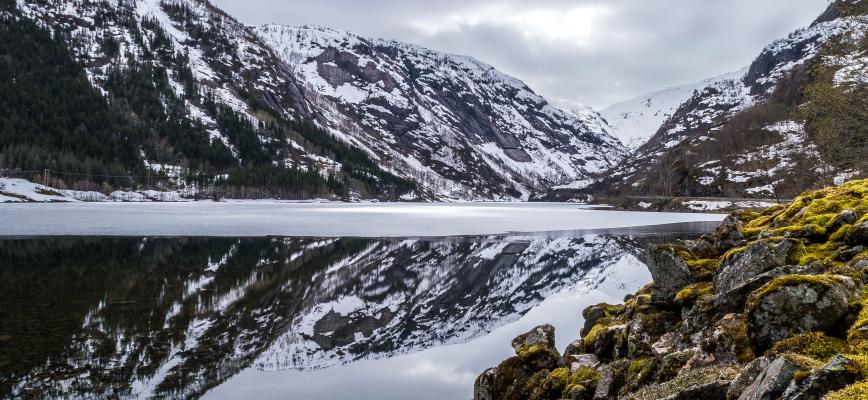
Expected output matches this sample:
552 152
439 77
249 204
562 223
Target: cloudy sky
595 52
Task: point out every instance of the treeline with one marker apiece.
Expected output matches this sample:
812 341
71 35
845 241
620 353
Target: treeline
50 115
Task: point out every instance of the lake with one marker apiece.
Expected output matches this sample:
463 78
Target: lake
303 301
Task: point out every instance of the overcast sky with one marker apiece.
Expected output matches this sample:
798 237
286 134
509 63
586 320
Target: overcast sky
595 52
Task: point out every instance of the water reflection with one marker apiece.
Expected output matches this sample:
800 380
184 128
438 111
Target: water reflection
167 317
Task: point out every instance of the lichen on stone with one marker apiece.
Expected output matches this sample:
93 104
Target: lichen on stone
825 280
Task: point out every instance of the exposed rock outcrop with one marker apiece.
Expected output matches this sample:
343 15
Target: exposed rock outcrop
773 305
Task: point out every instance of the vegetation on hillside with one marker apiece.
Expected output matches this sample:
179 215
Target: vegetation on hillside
52 117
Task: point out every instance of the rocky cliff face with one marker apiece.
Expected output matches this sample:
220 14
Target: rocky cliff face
458 126
772 305
635 121
741 135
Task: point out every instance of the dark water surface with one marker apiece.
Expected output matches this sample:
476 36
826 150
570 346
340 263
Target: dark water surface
294 318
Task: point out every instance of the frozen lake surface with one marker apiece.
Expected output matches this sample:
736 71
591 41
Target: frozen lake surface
260 218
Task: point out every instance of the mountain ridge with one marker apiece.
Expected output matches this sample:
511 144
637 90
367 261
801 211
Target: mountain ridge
472 134
452 114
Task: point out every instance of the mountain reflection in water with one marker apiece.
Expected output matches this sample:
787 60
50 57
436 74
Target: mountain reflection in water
171 317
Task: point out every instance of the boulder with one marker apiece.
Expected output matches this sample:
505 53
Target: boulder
796 304
668 343
645 330
746 377
845 217
728 234
671 364
772 381
728 341
579 361
611 342
611 379
736 277
483 388
669 272
538 356
838 373
543 334
734 299
701 248
858 235
845 253
574 348
594 313
535 358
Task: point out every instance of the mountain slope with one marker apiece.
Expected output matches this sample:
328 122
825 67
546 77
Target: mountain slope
755 135
208 102
457 126
212 104
636 120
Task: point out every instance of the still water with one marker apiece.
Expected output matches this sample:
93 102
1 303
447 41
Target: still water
299 318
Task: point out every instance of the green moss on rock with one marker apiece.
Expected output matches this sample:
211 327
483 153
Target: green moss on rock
816 345
826 280
694 291
858 332
858 391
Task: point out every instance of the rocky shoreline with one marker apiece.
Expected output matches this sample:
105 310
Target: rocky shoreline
773 305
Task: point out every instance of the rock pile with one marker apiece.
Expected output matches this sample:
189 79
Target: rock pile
773 305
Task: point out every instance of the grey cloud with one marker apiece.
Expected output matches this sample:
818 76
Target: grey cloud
639 46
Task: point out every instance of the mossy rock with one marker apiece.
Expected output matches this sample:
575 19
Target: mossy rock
816 345
857 335
538 356
795 304
858 391
714 379
607 341
731 340
639 372
645 329
692 292
547 385
819 217
669 270
585 376
600 314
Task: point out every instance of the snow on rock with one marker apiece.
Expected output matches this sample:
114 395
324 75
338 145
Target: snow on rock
458 126
24 191
636 120
704 114
715 205
21 190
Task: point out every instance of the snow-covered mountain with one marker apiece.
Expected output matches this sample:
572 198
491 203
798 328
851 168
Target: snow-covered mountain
188 38
454 124
636 120
739 135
